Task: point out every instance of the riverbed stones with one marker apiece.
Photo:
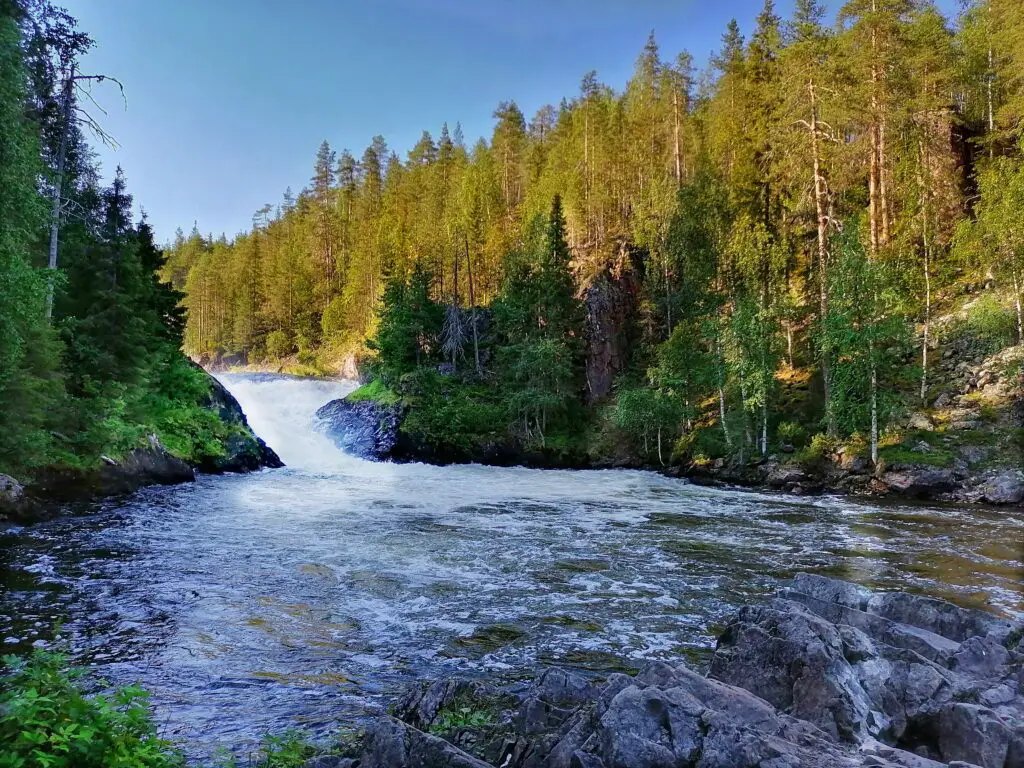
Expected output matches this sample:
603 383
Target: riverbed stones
827 674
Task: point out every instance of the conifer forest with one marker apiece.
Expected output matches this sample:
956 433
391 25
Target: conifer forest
677 424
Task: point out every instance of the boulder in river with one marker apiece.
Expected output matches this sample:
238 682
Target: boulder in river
364 428
825 675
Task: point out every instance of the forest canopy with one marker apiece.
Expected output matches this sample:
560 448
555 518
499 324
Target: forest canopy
799 205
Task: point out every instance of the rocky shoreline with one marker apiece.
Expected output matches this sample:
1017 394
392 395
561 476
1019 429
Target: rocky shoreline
826 674
372 431
53 488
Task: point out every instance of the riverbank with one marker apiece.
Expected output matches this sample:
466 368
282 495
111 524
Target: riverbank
232 446
966 451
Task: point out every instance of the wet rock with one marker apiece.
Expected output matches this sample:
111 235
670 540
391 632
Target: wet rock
15 504
781 476
825 675
892 667
1006 487
920 482
366 428
330 761
390 743
422 705
152 465
244 451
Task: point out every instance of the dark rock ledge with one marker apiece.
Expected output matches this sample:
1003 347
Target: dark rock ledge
825 675
153 464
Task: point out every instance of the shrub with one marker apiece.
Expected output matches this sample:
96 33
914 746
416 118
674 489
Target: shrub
791 433
990 325
48 721
820 448
279 345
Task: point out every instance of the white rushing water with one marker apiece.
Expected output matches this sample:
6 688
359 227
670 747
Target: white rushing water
313 593
281 409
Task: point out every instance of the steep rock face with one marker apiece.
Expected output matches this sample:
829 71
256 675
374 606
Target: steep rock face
612 301
244 451
366 429
826 675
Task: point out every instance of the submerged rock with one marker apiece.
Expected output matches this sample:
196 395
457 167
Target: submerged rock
825 675
365 428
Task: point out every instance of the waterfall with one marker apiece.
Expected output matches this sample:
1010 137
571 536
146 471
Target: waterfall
281 409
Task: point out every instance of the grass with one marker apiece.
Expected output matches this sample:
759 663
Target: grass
376 391
901 454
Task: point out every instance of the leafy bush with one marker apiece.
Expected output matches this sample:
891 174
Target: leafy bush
791 433
820 448
990 325
279 345
48 721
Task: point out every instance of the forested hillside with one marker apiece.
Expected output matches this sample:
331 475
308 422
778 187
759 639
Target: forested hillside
784 225
90 361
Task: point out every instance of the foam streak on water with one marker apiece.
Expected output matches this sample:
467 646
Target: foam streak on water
312 593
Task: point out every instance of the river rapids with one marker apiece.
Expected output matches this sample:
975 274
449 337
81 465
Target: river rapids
309 595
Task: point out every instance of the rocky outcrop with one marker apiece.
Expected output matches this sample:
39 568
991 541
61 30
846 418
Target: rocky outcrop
244 451
15 504
365 428
611 301
825 675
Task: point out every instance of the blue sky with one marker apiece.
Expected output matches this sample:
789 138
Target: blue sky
228 100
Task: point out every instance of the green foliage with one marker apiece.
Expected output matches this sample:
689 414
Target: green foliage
375 390
650 416
990 326
450 415
408 328
866 336
791 433
291 749
821 447
279 344
47 720
452 719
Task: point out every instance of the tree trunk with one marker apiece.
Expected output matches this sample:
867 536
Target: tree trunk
677 149
1016 300
926 247
472 309
62 154
874 405
821 208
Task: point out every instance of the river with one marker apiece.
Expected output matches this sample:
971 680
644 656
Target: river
308 595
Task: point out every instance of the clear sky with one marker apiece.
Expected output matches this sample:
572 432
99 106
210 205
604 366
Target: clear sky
228 100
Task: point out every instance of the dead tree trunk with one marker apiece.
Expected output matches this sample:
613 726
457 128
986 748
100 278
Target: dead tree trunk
62 155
